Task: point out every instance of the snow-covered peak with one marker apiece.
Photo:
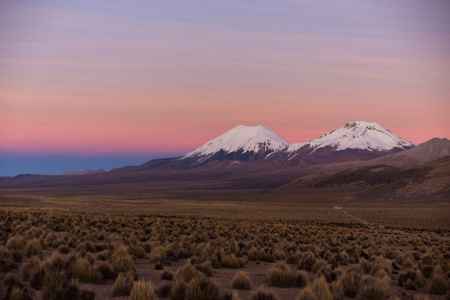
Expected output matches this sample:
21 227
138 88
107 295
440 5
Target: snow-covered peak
242 138
357 135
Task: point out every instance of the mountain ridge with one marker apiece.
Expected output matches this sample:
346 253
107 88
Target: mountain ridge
361 140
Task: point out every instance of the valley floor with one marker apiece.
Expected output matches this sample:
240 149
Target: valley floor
100 246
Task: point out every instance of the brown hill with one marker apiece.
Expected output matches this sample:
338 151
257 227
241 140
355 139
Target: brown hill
380 182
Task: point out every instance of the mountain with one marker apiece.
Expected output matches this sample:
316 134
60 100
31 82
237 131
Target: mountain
359 140
245 143
355 141
360 135
85 172
423 153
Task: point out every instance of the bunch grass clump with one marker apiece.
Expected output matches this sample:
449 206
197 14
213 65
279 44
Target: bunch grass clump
241 281
202 288
123 285
280 275
142 290
262 293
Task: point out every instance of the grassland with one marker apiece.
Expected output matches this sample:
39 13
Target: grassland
106 247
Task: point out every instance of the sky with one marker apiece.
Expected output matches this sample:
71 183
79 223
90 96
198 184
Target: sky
103 84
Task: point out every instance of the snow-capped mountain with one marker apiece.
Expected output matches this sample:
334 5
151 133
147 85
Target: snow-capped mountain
356 135
241 142
354 141
359 140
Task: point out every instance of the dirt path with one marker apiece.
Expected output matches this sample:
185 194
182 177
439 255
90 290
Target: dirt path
359 219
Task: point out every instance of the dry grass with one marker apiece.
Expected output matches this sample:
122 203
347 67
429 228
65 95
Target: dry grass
59 254
142 290
241 281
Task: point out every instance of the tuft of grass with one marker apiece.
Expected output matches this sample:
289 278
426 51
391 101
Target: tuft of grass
280 275
350 283
241 281
56 285
302 279
262 293
142 290
157 254
206 268
123 264
123 285
10 280
320 289
373 288
186 273
438 284
167 275
106 270
337 290
33 248
164 291
202 288
63 249
136 251
307 294
15 244
230 261
253 254
85 272
307 261
178 291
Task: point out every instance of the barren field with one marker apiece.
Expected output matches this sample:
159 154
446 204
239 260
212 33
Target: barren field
106 247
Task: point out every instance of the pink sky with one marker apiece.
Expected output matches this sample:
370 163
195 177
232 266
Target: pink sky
153 78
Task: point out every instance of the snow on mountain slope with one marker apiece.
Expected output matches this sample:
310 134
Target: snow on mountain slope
357 135
242 139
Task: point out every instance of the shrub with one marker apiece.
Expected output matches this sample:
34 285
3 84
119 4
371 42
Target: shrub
373 288
15 244
202 288
253 254
280 275
56 285
320 289
230 296
350 283
29 267
142 290
123 284
63 249
157 254
302 279
307 260
10 280
415 277
33 247
106 270
241 281
262 293
230 261
85 272
123 264
167 275
337 290
306 294
206 268
164 291
438 284
137 251
178 291
16 293
186 273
